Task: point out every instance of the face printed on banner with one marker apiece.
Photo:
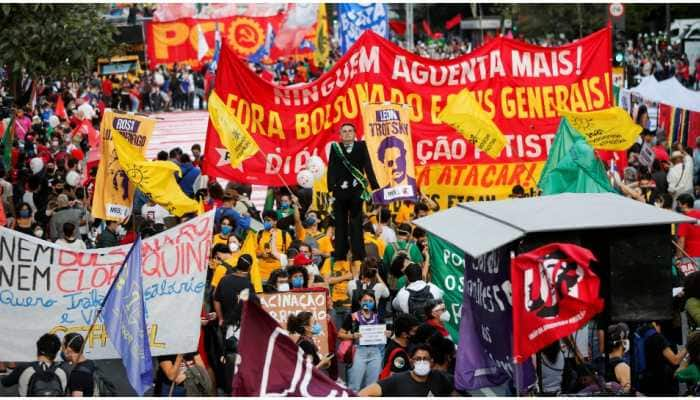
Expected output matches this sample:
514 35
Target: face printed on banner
558 276
393 155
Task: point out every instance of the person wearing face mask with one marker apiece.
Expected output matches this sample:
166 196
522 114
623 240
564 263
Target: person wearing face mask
617 369
221 263
369 280
422 380
367 361
278 282
24 222
226 228
298 278
436 315
306 328
273 244
81 378
285 207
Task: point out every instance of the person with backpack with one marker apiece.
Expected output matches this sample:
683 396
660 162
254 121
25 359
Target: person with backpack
85 378
403 246
396 358
413 298
369 280
660 362
436 315
175 370
617 368
227 301
367 359
42 377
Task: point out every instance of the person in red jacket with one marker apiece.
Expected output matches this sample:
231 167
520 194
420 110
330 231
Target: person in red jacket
688 233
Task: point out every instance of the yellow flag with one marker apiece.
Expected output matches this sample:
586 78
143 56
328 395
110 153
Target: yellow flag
322 40
464 113
609 129
156 179
234 137
250 246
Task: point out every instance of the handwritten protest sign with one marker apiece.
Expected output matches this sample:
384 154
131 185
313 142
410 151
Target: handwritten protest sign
281 305
47 288
372 334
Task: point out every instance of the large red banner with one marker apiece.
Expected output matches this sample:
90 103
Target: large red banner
520 85
178 41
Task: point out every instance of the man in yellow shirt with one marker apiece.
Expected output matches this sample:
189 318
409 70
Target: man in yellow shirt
273 244
225 258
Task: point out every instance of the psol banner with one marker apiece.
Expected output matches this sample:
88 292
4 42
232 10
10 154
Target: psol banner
521 86
284 35
114 194
47 288
388 138
281 305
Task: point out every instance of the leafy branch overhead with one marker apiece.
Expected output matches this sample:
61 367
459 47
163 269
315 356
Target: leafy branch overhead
54 39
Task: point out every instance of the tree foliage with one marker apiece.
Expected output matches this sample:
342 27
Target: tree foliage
53 39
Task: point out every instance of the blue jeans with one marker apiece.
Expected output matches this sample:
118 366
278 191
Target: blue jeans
366 366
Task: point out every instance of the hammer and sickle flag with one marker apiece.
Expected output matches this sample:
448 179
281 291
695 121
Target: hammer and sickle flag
464 113
233 135
156 179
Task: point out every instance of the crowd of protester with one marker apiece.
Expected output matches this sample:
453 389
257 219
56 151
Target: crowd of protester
653 54
47 184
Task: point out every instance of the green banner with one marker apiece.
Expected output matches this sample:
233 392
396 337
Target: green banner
447 273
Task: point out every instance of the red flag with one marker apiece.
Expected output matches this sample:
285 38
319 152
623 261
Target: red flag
272 364
61 108
555 293
454 21
398 26
86 128
426 28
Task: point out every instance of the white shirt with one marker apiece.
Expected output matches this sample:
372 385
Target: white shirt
154 213
380 289
388 234
401 300
680 177
77 244
6 190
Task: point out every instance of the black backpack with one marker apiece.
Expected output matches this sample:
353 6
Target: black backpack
417 299
45 382
102 386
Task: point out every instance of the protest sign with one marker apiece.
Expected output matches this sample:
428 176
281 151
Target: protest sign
519 85
48 288
388 138
281 305
484 357
372 334
447 273
114 194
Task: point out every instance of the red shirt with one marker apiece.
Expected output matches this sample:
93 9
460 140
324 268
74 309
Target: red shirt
691 233
107 87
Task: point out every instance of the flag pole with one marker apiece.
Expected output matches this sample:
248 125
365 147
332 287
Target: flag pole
104 300
516 367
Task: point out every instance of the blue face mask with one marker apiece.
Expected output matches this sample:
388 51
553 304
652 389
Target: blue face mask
267 225
368 305
226 230
24 214
284 206
316 329
297 282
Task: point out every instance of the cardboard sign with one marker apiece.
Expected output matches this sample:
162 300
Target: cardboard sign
372 334
281 305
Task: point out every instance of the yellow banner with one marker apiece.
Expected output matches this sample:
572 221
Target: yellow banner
464 113
234 137
449 185
156 179
322 41
114 194
387 132
321 199
609 129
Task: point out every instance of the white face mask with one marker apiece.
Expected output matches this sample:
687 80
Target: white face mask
283 287
39 233
626 345
234 247
445 316
421 368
